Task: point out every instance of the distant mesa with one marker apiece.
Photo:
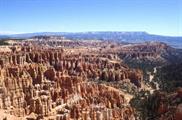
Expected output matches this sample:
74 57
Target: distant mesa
130 37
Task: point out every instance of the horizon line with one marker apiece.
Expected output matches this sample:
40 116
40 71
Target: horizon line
19 33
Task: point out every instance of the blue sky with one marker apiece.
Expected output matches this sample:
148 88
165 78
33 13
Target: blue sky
163 17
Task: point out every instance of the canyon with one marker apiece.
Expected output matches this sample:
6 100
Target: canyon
54 78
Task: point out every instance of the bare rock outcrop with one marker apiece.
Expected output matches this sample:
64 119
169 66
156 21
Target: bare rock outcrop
47 83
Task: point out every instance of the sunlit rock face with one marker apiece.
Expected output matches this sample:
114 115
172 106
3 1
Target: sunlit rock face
51 84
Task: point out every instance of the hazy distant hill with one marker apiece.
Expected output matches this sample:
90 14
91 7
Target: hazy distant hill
132 37
3 36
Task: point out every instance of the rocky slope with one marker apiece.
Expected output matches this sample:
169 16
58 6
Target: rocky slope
50 77
169 77
53 85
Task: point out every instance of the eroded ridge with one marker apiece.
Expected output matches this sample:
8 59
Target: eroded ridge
51 84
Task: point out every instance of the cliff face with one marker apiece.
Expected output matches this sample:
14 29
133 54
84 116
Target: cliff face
88 66
50 83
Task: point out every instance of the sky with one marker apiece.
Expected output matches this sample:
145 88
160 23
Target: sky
162 17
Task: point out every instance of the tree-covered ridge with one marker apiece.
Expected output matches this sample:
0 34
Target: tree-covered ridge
169 77
3 42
